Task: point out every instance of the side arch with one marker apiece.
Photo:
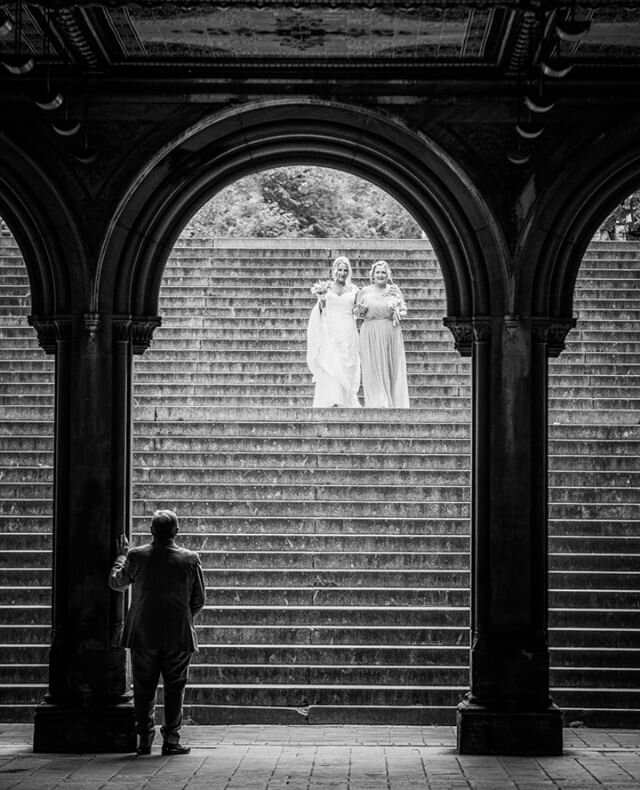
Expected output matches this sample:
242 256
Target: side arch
467 239
49 240
566 218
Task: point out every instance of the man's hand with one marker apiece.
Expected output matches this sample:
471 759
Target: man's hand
122 544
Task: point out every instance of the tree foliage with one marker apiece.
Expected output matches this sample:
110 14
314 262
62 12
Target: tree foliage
301 201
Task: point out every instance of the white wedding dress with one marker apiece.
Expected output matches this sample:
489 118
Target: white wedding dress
333 354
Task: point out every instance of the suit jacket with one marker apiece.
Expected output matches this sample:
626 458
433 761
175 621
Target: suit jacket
167 592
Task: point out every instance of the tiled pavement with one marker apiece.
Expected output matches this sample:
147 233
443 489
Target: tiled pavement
325 758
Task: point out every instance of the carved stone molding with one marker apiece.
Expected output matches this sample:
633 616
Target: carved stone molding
462 331
481 329
142 329
553 332
50 329
466 331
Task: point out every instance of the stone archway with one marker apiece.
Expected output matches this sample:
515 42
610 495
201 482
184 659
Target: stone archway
465 238
49 238
563 221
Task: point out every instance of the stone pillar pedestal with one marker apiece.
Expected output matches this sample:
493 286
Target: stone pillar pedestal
508 709
483 730
88 706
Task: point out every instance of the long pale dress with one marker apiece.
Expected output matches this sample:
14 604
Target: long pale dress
332 351
384 366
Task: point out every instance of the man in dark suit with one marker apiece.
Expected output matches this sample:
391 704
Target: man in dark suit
167 592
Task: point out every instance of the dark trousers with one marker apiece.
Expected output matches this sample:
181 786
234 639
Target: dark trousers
146 667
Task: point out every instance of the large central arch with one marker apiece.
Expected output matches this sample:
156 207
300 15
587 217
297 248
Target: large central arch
222 148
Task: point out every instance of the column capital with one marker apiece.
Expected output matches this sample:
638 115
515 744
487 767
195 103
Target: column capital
462 331
138 329
142 329
50 329
552 331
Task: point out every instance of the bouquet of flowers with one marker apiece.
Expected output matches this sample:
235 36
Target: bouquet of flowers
360 309
397 305
319 289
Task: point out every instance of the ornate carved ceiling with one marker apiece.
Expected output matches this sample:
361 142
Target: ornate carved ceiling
449 38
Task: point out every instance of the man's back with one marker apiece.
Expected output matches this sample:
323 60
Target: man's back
167 591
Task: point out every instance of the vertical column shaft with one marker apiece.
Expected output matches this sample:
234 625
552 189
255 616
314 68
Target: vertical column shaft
86 708
508 709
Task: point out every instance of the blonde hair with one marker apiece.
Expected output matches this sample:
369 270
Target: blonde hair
386 266
341 259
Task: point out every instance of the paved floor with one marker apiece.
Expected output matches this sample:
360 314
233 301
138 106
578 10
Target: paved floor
325 758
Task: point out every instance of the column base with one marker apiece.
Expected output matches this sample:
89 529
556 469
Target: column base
486 731
84 730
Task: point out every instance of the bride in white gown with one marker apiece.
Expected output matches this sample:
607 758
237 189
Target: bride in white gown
333 355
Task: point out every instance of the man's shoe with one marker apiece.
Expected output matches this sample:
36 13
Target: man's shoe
144 745
174 748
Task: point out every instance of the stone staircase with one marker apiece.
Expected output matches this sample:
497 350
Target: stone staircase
335 542
594 447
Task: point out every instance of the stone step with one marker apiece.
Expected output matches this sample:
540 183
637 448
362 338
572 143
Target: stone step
312 675
332 596
598 386
303 544
561 465
601 679
607 698
565 415
448 369
561 636
23 595
592 561
270 456
367 618
250 386
587 543
449 413
18 655
334 655
279 695
571 599
316 470
232 303
593 579
247 597
607 658
274 386
588 494
592 510
596 618
257 332
238 445
309 494
409 635
318 560
339 578
246 279
604 527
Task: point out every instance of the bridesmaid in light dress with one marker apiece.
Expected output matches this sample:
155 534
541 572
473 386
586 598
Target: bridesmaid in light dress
333 355
381 305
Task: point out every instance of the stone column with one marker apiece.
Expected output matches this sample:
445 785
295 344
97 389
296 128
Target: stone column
508 709
87 707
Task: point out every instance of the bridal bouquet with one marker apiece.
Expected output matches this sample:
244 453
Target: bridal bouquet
319 289
360 309
398 307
